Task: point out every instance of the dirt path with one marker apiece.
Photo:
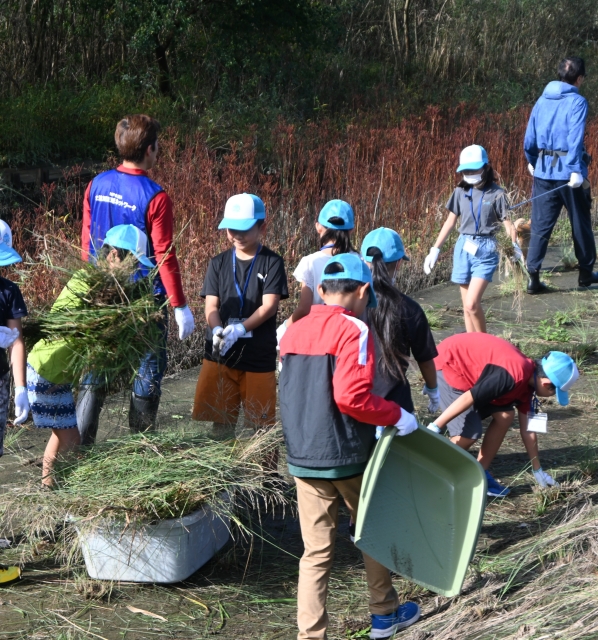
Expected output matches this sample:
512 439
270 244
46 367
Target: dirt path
243 594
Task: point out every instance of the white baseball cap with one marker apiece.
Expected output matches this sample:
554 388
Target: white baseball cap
472 158
242 212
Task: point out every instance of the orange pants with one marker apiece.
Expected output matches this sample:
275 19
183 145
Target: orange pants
221 390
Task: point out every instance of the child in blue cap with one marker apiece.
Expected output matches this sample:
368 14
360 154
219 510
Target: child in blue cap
328 416
334 227
399 325
242 289
480 206
49 380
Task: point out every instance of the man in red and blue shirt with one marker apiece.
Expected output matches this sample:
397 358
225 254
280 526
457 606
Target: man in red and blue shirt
126 195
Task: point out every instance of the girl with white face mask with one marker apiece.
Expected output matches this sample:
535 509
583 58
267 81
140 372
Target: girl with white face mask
480 206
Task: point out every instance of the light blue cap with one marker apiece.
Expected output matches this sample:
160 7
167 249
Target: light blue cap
354 268
7 254
562 371
242 211
337 209
388 241
129 237
472 158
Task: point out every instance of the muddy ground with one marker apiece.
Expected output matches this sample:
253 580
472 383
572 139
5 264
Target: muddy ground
250 593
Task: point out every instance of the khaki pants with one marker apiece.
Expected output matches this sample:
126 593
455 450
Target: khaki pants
319 501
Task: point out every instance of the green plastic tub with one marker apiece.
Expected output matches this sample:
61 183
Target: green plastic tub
421 508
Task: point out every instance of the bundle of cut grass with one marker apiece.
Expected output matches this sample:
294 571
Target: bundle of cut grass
514 274
107 318
140 479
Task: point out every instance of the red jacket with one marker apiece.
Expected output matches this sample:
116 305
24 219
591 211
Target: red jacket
160 227
326 398
494 370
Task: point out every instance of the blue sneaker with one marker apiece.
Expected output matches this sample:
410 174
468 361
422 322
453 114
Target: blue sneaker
387 626
495 489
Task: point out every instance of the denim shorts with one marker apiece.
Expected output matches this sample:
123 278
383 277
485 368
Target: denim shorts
482 265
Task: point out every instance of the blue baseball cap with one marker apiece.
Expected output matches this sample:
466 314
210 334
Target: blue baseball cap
337 209
354 268
242 212
129 237
562 371
388 241
7 254
472 158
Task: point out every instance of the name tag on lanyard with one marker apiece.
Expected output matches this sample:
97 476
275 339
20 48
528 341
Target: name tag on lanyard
477 221
536 421
242 293
469 246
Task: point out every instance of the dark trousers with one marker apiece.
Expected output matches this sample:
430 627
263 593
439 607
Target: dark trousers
545 213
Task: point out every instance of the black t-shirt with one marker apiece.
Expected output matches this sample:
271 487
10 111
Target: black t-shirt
258 353
415 340
12 307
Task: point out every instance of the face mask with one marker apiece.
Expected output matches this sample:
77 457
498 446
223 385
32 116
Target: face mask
472 179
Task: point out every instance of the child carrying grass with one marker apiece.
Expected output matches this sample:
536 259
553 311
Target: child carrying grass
49 379
480 206
334 227
242 289
399 325
328 416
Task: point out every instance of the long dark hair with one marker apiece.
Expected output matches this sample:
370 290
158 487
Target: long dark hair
339 238
386 319
488 178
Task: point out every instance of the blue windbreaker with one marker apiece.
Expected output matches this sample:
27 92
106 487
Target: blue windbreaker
557 123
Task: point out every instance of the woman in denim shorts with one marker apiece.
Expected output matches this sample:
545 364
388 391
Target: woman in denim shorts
480 206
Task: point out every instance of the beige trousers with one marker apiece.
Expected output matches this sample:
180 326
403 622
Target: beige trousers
319 501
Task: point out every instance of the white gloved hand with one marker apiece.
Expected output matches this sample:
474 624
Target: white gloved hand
7 337
217 339
576 180
230 335
518 254
184 318
21 405
544 479
431 259
280 332
530 168
434 396
406 424
434 427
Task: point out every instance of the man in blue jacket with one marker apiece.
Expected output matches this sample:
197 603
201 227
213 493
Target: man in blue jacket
555 151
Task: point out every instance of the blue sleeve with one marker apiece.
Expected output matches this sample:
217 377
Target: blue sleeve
530 144
575 136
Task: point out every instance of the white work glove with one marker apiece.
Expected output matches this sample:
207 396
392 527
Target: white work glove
434 396
431 259
230 335
406 424
434 427
184 318
280 332
544 479
7 337
217 340
518 254
530 168
576 180
21 405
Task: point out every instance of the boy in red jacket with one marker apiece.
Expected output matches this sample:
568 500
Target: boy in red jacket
329 416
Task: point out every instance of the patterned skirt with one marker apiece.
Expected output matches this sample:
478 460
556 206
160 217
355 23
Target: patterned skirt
52 405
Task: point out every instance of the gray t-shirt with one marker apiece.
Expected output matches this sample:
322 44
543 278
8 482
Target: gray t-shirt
465 203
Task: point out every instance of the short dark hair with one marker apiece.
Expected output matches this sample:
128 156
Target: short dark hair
540 373
571 68
134 134
106 249
488 178
340 285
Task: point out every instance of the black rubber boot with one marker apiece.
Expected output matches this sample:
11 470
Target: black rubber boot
534 285
143 413
89 406
587 278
